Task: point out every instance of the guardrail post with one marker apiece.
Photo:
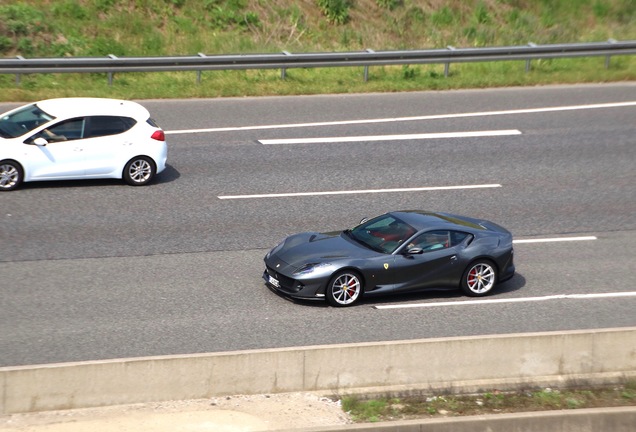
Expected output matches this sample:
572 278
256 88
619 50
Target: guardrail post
18 76
366 67
447 64
199 72
530 44
110 74
607 57
283 71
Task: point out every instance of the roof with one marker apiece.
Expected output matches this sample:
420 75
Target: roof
420 219
75 107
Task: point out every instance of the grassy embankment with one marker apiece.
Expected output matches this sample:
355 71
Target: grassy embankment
494 402
41 28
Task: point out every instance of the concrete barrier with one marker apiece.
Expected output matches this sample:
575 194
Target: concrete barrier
460 364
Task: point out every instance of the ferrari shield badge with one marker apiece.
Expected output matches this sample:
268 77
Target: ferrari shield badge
386 266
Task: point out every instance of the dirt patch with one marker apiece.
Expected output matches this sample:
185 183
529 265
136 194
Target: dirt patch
222 414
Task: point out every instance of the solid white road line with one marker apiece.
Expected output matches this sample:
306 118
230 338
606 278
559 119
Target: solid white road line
350 192
405 119
555 239
391 137
512 300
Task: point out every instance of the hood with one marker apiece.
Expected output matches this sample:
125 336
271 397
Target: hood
306 248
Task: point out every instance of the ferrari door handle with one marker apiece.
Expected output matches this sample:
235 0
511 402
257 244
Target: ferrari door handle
453 258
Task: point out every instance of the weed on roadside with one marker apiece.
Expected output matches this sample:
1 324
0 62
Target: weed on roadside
494 402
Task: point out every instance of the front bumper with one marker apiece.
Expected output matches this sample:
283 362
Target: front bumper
296 288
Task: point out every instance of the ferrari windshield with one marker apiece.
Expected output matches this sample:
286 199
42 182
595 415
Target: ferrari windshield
382 234
22 121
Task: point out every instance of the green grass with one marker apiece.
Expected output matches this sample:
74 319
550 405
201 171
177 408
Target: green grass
317 81
187 27
387 409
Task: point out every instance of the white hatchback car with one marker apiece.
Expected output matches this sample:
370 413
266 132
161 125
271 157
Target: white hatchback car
80 138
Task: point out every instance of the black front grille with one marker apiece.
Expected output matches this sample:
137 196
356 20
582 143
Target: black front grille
286 284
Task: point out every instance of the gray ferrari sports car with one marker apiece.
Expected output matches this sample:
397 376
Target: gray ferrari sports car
397 252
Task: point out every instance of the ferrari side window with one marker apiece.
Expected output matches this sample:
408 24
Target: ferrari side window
457 238
432 240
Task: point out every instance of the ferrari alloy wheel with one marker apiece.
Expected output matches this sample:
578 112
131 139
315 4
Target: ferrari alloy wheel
479 278
10 175
344 289
139 171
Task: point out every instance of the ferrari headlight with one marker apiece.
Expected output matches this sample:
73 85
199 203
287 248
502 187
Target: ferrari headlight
311 267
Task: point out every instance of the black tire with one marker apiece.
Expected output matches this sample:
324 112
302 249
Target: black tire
11 175
344 289
479 278
139 171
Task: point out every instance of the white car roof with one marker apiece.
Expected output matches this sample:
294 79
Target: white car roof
75 107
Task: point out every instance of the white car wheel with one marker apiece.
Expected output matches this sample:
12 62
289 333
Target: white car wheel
11 175
139 171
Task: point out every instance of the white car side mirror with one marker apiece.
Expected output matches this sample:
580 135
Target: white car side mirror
40 142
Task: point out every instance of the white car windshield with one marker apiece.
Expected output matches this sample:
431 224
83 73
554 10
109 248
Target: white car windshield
22 121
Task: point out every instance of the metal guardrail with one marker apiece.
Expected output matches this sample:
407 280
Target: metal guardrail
286 60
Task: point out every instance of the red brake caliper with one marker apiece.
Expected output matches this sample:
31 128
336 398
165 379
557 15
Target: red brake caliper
350 289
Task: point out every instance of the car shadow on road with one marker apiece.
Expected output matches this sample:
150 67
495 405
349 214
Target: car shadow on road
168 175
431 296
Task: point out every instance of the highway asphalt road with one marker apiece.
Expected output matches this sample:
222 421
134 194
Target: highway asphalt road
96 269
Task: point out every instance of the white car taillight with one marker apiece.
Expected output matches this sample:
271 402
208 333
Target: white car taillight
158 135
